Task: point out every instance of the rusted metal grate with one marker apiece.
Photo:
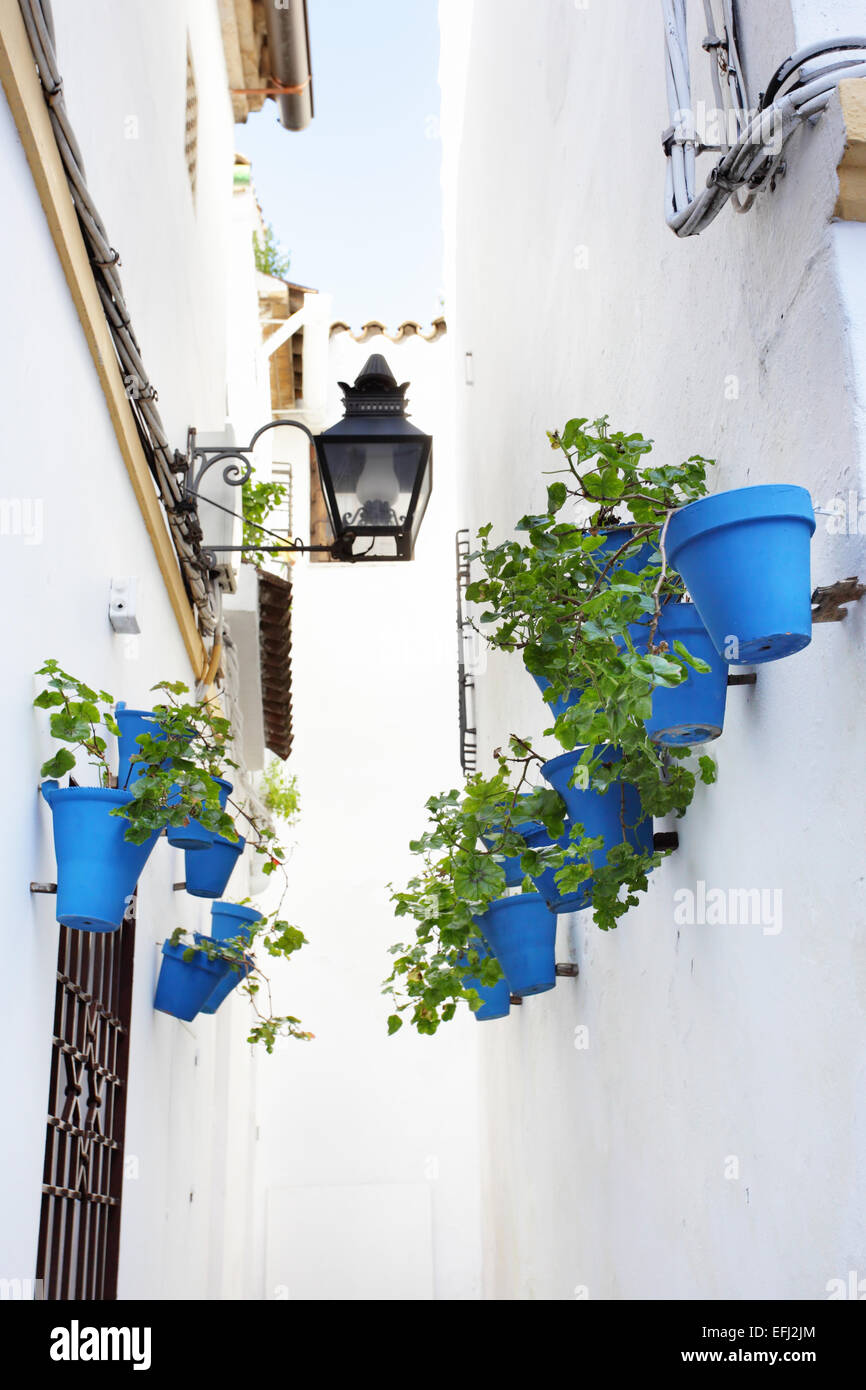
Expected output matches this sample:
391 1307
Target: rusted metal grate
465 681
79 1230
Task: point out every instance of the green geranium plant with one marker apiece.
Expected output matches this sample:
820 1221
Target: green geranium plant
581 601
279 939
176 783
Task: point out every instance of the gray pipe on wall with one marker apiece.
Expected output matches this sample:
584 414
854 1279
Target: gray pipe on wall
289 59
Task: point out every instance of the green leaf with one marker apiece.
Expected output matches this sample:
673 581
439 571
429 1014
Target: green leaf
393 1024
47 699
62 762
694 661
556 496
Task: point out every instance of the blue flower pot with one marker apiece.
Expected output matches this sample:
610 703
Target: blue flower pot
521 933
599 813
224 987
229 920
639 636
563 703
496 998
546 883
194 835
185 986
209 869
744 556
97 868
514 875
133 722
693 712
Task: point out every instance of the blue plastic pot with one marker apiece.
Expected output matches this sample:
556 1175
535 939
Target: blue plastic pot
536 837
521 933
496 998
184 986
224 987
693 712
208 870
514 875
599 813
194 835
564 702
133 722
229 920
744 556
97 868
639 637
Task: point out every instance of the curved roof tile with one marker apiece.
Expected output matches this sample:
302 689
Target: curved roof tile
409 328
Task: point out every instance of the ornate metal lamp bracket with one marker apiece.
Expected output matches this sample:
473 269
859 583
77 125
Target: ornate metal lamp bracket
237 469
200 458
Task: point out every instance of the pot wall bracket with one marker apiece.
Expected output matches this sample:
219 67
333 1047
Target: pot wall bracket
828 602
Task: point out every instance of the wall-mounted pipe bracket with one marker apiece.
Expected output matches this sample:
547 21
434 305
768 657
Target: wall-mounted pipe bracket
747 678
666 839
515 998
43 888
568 968
828 601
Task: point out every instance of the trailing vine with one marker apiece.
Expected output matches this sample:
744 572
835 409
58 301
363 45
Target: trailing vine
578 594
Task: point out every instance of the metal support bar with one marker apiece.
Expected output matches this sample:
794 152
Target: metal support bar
746 679
43 888
828 602
568 969
179 887
666 839
515 999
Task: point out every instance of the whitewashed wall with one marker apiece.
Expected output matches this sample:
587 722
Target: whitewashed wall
187 1207
370 1142
605 1166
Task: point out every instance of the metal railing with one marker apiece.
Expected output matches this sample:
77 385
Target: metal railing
465 680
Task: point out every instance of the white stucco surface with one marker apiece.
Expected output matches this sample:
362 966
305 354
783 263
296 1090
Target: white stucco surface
187 1227
607 1166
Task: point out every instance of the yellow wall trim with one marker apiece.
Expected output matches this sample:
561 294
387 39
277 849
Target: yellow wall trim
851 203
27 104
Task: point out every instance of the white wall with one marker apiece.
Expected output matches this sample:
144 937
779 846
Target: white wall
604 1168
371 1141
190 1119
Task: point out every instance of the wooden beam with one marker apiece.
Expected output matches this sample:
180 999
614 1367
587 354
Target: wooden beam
30 113
282 335
851 203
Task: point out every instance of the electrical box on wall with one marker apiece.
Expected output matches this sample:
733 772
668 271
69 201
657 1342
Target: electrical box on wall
123 605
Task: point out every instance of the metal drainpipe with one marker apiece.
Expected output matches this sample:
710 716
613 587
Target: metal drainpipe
289 59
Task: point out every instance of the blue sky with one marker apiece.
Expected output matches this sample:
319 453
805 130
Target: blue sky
355 197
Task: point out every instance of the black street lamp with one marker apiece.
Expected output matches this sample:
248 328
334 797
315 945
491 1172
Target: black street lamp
375 469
